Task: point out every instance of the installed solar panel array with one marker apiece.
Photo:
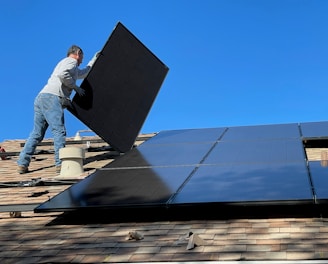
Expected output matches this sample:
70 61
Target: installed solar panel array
236 165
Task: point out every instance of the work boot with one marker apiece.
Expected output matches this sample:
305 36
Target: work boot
22 169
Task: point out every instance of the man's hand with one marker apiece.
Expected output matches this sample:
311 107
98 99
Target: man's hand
93 60
65 102
80 91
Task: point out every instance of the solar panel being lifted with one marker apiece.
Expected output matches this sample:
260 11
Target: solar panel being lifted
120 89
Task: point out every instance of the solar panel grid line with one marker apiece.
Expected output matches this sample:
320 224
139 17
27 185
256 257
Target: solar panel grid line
300 130
195 169
255 163
309 172
149 167
178 190
315 131
158 145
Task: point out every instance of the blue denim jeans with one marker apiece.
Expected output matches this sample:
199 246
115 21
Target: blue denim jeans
48 112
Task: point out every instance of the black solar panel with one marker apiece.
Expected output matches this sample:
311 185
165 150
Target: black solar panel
319 175
314 130
195 167
243 183
120 89
139 187
257 151
261 132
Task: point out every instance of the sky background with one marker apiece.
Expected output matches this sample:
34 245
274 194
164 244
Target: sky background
232 62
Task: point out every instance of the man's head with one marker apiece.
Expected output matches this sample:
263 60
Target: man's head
75 52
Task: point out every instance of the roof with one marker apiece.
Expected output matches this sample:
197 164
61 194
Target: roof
60 238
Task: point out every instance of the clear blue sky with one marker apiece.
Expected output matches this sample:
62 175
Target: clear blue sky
232 62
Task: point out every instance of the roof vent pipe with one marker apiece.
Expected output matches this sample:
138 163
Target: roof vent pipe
72 161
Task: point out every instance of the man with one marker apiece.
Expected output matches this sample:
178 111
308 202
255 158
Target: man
50 103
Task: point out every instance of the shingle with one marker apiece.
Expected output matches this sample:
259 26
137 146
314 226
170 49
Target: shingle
42 238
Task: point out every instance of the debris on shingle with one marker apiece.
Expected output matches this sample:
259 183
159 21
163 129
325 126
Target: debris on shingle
192 239
195 240
134 235
15 214
37 194
183 239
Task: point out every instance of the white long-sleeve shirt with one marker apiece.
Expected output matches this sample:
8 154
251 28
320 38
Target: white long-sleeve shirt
63 79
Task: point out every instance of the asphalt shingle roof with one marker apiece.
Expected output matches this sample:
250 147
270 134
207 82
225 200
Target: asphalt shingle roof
61 238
